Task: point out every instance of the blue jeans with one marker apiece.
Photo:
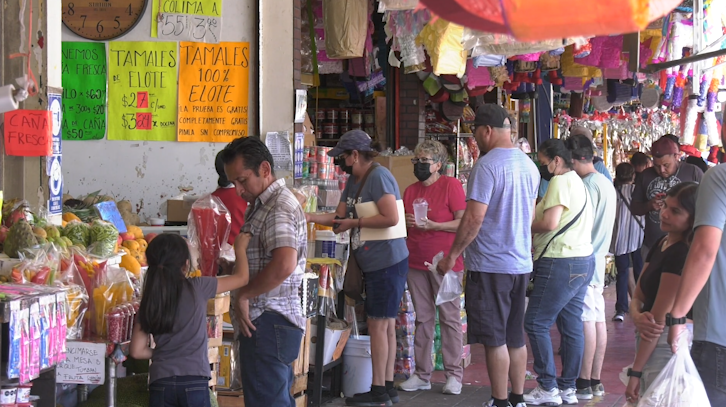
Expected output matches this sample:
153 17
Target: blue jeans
710 360
266 361
622 263
558 295
180 391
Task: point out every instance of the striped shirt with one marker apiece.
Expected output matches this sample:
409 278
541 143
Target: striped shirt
276 220
628 233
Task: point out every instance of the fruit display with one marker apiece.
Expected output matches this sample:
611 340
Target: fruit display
113 288
83 209
20 237
104 239
77 232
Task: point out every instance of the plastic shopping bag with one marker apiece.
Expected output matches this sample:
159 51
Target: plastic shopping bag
678 384
451 286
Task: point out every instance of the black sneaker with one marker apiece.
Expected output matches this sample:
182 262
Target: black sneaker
369 400
393 394
619 317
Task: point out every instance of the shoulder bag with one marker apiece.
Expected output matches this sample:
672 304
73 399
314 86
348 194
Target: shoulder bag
353 284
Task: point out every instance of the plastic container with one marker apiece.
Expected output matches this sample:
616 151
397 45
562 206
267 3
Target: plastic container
23 394
357 365
420 211
8 394
325 244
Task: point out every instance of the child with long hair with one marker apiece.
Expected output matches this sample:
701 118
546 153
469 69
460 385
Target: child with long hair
657 288
174 311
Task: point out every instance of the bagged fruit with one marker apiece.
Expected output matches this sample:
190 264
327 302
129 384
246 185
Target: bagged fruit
77 302
78 232
208 229
112 288
104 239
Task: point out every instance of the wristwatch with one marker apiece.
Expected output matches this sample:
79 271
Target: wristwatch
670 321
634 373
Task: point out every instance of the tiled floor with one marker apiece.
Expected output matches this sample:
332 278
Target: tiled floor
620 353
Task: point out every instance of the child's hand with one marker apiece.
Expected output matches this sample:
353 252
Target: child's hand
241 243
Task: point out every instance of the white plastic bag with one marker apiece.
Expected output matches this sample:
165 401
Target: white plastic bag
451 286
678 384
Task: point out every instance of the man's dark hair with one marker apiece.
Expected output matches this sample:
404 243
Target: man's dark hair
639 160
581 148
253 152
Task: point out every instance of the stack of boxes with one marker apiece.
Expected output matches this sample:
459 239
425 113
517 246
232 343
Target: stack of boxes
405 329
216 308
436 354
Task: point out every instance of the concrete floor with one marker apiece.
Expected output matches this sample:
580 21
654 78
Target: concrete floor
476 391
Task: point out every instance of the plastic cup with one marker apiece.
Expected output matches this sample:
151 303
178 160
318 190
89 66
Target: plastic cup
420 212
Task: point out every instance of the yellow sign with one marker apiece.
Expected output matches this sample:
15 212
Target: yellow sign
142 90
213 91
211 8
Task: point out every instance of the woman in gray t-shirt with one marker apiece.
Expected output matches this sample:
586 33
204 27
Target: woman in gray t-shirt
173 310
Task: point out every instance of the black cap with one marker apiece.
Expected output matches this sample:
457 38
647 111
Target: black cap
491 115
354 140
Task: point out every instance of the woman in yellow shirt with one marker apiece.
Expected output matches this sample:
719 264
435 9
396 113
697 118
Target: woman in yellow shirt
564 265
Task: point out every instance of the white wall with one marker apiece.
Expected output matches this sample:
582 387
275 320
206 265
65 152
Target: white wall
147 173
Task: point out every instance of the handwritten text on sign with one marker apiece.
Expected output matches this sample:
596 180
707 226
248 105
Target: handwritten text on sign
187 27
213 91
84 90
85 364
142 91
210 8
28 133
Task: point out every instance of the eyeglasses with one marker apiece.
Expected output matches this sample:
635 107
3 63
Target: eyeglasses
422 160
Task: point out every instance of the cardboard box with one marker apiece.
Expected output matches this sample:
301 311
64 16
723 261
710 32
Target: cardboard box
219 305
224 378
214 331
335 341
178 210
301 365
401 168
213 354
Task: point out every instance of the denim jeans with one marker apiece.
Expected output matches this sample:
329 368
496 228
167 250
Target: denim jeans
622 263
710 360
180 391
266 361
558 295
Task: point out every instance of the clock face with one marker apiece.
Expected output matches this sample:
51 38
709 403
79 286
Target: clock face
102 20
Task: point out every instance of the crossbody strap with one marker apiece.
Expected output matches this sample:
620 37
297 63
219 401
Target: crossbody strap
565 228
627 205
364 179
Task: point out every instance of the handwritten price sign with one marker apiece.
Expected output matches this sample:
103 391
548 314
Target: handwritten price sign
213 91
84 91
187 27
142 91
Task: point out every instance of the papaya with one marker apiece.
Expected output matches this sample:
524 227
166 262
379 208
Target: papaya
132 245
136 231
70 217
131 264
142 244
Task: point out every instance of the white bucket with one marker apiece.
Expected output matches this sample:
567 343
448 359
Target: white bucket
325 244
357 365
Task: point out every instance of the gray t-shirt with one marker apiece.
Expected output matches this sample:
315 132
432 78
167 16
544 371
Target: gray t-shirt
649 184
377 255
603 201
506 180
710 306
183 351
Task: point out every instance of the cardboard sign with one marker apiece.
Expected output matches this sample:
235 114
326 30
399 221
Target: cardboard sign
85 364
28 133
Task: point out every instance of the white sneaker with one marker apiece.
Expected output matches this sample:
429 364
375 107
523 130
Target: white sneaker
416 384
452 386
542 397
490 403
569 396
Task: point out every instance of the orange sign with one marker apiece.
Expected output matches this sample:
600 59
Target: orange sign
28 133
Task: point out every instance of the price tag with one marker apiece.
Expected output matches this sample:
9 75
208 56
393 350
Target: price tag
188 27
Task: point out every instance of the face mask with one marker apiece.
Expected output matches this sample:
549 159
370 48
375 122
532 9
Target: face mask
422 171
348 169
545 173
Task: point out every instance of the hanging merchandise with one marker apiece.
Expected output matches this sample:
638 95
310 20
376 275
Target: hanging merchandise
390 5
443 41
481 43
346 27
402 28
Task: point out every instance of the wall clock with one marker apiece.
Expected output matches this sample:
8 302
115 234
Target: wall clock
102 20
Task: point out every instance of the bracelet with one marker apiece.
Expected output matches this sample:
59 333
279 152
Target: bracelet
634 373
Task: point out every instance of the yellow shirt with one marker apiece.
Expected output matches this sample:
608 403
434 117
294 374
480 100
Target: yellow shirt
569 191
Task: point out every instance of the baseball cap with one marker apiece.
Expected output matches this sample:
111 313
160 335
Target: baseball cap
357 140
491 115
664 146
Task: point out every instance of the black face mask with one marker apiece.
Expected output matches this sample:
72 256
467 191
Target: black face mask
545 173
422 171
340 162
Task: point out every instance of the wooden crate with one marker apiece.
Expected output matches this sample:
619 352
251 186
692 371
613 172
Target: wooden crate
301 400
301 365
218 305
213 354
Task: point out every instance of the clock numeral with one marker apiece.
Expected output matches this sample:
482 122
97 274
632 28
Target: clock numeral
118 23
99 27
84 21
70 9
129 9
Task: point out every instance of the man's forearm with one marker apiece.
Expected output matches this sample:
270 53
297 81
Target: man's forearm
271 277
468 229
695 275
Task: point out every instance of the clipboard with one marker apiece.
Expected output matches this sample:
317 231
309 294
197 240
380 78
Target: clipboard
369 209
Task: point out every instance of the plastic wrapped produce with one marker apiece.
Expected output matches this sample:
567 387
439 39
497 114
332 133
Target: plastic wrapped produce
78 232
104 239
209 224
